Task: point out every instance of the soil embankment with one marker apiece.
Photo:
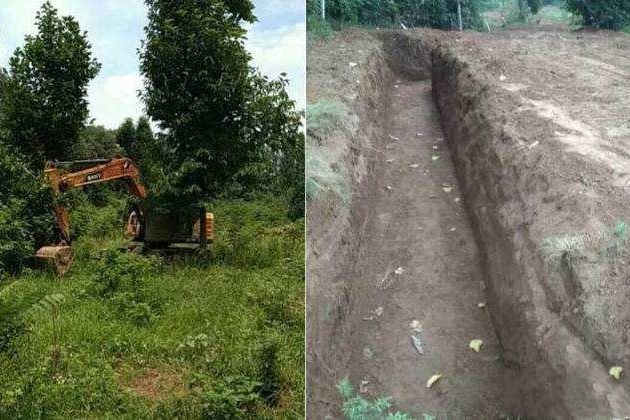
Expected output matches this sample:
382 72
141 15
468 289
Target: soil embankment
538 146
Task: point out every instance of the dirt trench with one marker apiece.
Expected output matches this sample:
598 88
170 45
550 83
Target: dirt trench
420 254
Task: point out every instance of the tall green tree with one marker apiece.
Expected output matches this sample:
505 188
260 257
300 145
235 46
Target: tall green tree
96 142
144 139
43 106
126 138
222 121
606 14
440 14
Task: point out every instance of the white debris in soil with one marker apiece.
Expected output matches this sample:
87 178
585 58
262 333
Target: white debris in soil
416 326
399 270
392 138
363 387
367 353
379 311
414 165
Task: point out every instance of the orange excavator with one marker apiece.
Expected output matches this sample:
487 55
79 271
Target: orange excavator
159 231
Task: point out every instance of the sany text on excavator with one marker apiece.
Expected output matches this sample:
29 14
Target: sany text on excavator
157 232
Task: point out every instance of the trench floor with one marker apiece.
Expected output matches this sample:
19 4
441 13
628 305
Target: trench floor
420 275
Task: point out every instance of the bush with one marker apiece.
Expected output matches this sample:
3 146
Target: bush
125 279
234 397
25 212
605 14
440 14
254 234
535 5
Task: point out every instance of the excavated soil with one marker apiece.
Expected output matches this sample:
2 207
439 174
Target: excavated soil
483 168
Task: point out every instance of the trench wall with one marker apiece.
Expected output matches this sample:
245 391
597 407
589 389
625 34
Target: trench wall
562 375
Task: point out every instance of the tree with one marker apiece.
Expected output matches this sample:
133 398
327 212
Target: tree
606 14
25 212
432 13
96 142
126 138
144 140
223 122
43 106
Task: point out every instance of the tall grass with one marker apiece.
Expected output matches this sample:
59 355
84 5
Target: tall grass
143 337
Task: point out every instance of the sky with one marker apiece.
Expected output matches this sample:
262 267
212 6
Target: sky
115 29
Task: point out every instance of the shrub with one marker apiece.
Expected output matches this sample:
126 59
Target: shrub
323 116
233 397
535 5
605 14
125 279
356 407
25 216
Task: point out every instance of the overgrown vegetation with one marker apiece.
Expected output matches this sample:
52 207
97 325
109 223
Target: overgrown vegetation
355 407
128 335
606 14
226 124
220 338
440 14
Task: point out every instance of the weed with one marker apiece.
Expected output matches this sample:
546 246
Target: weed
232 397
323 116
555 248
356 407
322 178
316 28
49 306
209 320
269 373
616 240
620 230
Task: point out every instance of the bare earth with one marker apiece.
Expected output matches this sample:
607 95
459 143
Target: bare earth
518 211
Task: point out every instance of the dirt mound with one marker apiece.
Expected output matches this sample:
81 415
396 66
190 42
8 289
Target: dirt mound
536 123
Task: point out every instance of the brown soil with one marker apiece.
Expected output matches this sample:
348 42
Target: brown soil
156 384
537 126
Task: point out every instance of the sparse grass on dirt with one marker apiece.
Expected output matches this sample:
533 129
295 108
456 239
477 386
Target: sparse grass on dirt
132 336
322 177
507 15
355 407
323 116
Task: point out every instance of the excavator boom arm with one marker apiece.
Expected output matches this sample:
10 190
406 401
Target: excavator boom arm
105 171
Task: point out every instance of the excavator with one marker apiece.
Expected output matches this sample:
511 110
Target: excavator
157 232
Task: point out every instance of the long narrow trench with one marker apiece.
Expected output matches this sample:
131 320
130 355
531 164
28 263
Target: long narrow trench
418 273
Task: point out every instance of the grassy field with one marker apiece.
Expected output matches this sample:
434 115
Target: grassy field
130 336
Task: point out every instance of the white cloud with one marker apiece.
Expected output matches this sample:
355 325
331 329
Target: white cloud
115 29
282 50
114 98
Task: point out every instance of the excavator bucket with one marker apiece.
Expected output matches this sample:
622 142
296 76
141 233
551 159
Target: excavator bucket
60 256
